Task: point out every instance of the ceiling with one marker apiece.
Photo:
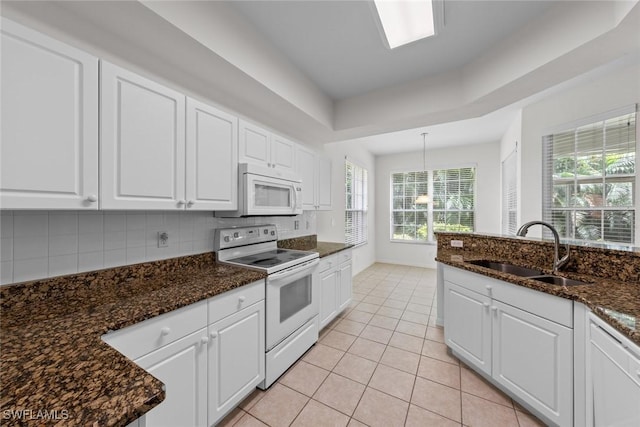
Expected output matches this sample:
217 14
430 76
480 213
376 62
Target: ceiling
318 71
338 44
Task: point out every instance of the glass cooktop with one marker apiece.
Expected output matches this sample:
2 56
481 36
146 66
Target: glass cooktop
269 258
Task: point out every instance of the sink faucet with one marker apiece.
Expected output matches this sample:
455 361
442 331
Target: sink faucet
557 263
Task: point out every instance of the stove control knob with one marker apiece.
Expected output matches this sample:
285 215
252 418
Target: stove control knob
273 233
227 239
266 231
236 235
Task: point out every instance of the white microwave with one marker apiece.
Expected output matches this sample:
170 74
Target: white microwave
265 192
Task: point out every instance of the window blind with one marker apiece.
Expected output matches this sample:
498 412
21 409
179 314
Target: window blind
589 180
356 204
450 206
510 193
454 199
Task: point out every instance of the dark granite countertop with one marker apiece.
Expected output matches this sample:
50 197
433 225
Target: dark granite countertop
53 358
310 243
615 301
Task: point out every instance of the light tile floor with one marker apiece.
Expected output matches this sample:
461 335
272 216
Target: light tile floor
382 362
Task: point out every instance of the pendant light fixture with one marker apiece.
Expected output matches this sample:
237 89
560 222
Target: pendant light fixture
423 198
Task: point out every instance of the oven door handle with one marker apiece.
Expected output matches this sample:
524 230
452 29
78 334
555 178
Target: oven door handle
294 270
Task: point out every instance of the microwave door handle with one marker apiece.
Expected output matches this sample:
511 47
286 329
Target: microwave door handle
295 197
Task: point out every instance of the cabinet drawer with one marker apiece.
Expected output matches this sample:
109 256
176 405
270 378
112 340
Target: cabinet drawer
137 340
548 306
344 256
328 263
235 300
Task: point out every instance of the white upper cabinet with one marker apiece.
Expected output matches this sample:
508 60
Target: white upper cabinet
261 147
212 158
323 187
142 142
49 154
306 168
315 171
282 153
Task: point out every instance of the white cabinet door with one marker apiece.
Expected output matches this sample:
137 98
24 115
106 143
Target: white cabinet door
236 359
467 325
616 393
328 297
255 144
212 158
181 366
282 153
306 168
344 294
142 142
533 359
324 184
49 155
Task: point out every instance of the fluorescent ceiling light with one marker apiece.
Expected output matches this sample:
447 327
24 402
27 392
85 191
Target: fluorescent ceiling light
405 21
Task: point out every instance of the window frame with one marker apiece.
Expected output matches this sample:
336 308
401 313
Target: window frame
431 234
573 183
363 233
509 184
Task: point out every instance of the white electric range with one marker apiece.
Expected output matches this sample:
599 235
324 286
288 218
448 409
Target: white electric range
292 292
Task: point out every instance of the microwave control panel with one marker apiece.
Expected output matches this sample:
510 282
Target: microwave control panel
232 237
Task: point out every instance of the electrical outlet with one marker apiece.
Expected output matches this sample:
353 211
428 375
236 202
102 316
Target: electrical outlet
296 224
163 239
457 243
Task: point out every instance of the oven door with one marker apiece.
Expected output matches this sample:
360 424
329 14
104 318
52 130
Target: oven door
271 196
292 299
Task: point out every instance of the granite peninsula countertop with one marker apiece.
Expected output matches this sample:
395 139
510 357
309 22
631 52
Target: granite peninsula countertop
53 358
616 302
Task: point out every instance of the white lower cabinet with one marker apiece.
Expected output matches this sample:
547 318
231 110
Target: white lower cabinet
210 355
236 359
495 328
532 357
613 372
468 326
345 284
182 367
328 296
335 285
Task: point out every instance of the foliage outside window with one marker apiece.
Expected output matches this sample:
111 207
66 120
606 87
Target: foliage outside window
355 215
451 205
590 180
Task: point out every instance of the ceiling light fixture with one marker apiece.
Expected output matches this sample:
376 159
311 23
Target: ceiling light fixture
405 21
423 198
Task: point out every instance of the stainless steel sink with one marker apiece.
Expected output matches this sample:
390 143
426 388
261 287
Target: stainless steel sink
561 281
507 268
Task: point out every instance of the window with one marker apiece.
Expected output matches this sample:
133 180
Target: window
355 215
451 205
589 178
510 194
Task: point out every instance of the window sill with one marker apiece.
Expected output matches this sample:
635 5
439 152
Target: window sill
414 242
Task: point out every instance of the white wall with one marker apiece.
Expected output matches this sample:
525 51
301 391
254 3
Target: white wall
330 224
616 89
39 244
486 158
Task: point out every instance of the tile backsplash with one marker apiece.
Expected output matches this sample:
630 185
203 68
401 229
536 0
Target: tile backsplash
40 244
